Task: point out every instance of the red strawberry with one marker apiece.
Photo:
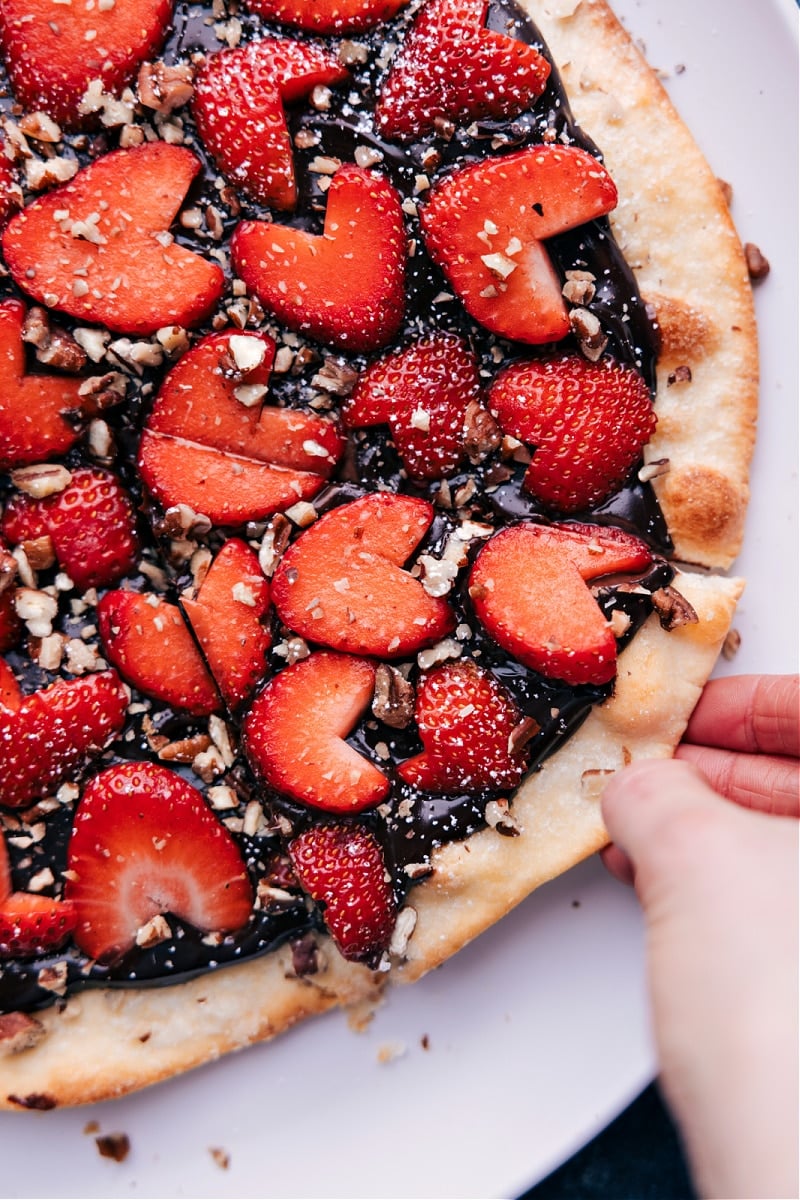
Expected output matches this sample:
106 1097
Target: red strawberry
342 867
294 731
344 287
227 617
111 260
10 624
465 720
328 16
483 226
6 886
528 586
147 640
92 524
587 421
34 409
10 191
238 106
421 393
50 734
10 694
32 924
230 456
144 842
342 583
451 68
52 54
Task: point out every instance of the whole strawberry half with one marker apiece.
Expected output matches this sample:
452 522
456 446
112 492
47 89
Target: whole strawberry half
586 421
341 866
47 736
484 227
230 455
145 842
328 16
452 69
344 287
466 720
99 247
52 53
422 393
149 643
239 103
91 523
343 583
228 617
37 411
295 729
529 589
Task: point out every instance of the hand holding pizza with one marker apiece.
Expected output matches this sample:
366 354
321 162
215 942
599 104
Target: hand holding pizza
718 885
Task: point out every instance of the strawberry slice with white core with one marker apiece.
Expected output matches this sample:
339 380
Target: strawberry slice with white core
294 731
342 867
422 393
529 590
212 443
53 52
47 736
344 287
466 720
37 412
343 584
452 69
484 227
328 16
99 247
149 643
144 842
239 103
228 616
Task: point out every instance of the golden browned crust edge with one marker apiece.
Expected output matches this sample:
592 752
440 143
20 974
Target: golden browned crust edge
675 228
106 1043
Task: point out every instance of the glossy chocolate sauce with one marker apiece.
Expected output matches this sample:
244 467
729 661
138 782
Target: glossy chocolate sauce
411 824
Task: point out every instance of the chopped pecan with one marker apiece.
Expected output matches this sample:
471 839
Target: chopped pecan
114 1145
393 701
305 955
673 609
164 88
757 265
19 1032
481 432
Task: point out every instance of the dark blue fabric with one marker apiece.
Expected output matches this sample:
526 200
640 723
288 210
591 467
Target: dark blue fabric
638 1157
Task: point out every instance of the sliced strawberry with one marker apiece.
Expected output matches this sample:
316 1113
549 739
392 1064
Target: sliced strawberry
453 69
10 624
342 867
328 16
37 412
239 103
10 191
587 422
52 732
465 720
225 453
228 616
111 258
10 693
294 731
342 583
32 924
344 287
92 525
528 586
148 641
422 393
484 227
145 842
53 53
6 886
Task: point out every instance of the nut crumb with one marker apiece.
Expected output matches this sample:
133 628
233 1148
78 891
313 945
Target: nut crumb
114 1145
221 1157
757 265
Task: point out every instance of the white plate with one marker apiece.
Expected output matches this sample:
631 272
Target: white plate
537 1034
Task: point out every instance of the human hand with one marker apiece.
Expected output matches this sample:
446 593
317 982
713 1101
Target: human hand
718 883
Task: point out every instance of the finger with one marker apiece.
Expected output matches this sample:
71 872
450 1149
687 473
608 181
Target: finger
750 713
760 781
617 863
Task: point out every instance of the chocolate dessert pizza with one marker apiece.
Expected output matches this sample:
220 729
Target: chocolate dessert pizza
378 392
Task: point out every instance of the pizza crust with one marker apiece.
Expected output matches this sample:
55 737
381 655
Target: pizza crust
104 1043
